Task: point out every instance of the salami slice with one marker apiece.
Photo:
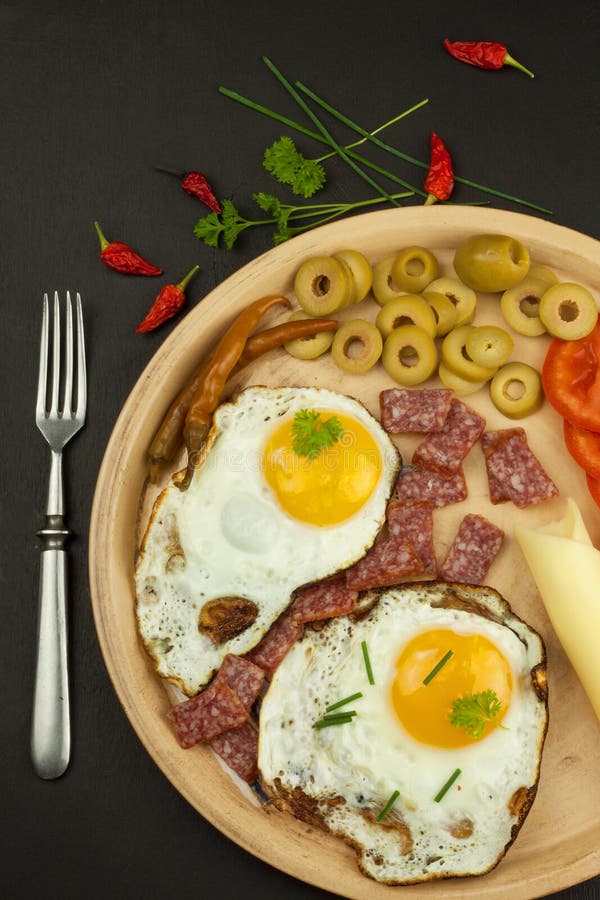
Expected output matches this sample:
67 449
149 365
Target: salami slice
242 676
238 747
514 472
419 484
324 600
473 551
443 451
206 715
419 409
414 521
280 638
389 561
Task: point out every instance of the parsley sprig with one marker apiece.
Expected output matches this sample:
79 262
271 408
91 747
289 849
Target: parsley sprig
472 712
312 433
285 162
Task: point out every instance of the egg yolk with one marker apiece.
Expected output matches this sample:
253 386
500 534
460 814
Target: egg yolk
476 665
333 486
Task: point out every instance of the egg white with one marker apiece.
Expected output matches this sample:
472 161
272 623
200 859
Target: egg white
227 535
365 761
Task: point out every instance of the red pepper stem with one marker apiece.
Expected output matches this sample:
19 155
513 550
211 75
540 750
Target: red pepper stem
170 172
184 283
510 61
431 198
103 241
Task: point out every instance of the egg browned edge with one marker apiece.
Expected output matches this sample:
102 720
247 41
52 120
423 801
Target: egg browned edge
465 597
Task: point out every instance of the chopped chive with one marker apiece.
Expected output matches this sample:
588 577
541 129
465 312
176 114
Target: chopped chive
365 653
388 806
336 719
343 702
447 786
439 666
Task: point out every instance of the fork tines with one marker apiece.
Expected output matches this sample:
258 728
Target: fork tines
66 408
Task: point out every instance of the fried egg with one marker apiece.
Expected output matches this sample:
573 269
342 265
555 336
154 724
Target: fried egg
219 561
417 796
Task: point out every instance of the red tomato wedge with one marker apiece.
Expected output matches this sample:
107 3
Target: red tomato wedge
571 379
584 447
594 488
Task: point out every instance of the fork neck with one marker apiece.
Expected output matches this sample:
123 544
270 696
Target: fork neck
56 502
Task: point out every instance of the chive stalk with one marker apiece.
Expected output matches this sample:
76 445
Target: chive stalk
442 793
437 668
343 702
388 806
365 653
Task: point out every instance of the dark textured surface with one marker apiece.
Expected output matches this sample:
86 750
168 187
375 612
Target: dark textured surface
92 97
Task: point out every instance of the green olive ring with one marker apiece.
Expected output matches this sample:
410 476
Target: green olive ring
455 357
322 285
568 311
461 295
308 347
516 390
384 288
444 311
520 307
357 346
360 270
406 310
491 262
489 345
409 355
544 274
460 386
414 268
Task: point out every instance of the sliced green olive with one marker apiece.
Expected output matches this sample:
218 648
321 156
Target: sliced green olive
383 284
544 274
308 347
409 355
444 311
516 390
521 306
414 268
323 285
361 271
491 262
456 358
357 346
463 297
461 386
406 310
568 311
489 346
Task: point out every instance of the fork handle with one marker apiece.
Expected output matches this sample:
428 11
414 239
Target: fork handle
51 732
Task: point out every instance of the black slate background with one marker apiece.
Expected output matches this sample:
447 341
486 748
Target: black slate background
92 97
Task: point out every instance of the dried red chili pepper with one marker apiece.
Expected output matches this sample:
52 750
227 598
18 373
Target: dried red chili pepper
196 185
121 257
484 54
168 302
439 182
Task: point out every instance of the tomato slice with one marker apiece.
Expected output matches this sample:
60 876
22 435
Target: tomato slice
584 447
594 488
571 379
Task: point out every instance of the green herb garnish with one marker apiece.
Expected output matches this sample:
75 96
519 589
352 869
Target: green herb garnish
447 786
342 718
343 702
437 668
288 166
365 653
388 806
472 712
312 434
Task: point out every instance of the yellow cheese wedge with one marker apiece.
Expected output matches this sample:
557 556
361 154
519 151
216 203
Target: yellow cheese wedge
566 569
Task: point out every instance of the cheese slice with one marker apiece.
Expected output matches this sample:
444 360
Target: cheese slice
566 568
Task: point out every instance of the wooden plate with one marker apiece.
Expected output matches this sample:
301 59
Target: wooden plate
559 843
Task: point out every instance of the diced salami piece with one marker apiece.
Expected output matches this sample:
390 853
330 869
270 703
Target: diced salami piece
443 451
418 409
242 676
238 747
324 600
419 484
206 715
473 551
280 638
413 520
514 472
390 561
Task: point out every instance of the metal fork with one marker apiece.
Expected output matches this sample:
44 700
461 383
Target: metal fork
51 731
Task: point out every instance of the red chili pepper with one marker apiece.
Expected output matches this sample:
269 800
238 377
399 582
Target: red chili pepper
169 301
122 258
484 54
439 182
196 185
